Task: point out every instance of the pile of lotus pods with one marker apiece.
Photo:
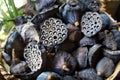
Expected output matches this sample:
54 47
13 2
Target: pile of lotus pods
64 40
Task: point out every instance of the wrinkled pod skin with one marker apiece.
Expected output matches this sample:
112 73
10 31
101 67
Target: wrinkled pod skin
88 74
64 63
91 5
14 41
105 67
71 12
49 76
45 4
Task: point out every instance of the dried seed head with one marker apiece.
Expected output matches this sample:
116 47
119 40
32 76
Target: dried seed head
105 67
91 23
53 32
32 55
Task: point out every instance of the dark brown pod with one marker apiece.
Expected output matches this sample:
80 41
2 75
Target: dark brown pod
71 28
68 46
45 4
114 55
105 67
69 78
14 41
18 67
49 76
108 21
71 12
116 36
75 36
81 55
92 5
64 63
109 41
88 74
95 54
85 41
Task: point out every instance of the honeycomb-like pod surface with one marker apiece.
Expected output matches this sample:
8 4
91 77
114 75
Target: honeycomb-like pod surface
91 23
53 32
32 55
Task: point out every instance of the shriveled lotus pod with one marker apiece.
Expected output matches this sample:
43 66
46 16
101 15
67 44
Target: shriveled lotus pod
94 55
81 55
69 78
112 54
88 74
105 67
86 41
116 37
49 76
14 41
109 41
71 12
75 36
64 63
45 4
92 5
91 23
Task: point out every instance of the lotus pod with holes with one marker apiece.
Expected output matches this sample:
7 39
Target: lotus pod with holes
81 55
71 12
91 5
109 41
33 56
53 32
88 74
86 41
114 55
95 54
91 23
105 67
49 76
64 63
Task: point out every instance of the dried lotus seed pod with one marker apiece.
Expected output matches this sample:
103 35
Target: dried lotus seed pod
75 36
71 12
33 57
112 54
92 5
28 32
88 74
94 55
69 78
81 55
109 41
116 35
53 32
105 67
49 76
45 4
86 41
91 23
64 63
